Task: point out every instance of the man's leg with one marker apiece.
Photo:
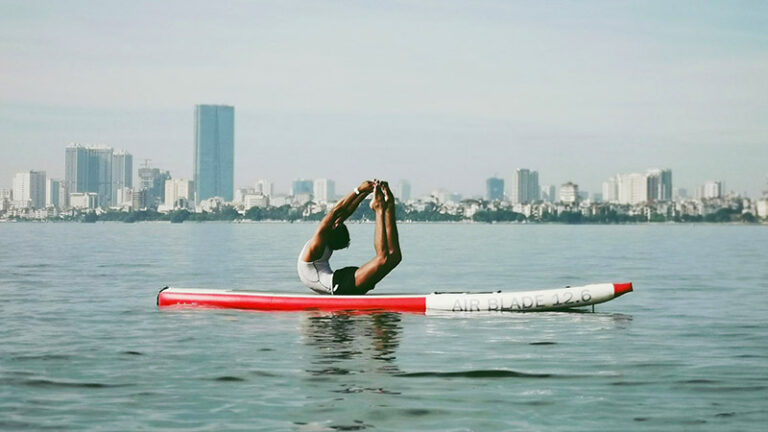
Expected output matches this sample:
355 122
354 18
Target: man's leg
370 273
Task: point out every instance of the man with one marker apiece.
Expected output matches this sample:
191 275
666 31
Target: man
331 235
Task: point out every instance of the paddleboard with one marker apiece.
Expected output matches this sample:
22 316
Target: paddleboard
517 301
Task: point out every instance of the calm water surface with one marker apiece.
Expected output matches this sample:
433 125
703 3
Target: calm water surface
83 346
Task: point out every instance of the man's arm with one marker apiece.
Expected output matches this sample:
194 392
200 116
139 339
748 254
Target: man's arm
340 212
347 206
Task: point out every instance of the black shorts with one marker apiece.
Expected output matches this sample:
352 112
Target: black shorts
344 282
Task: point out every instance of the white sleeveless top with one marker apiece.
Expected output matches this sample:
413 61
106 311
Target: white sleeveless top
316 275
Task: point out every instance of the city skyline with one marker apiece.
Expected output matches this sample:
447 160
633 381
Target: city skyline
106 173
504 86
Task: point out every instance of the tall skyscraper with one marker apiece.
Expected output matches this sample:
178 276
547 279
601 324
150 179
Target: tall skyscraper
29 189
324 190
122 173
404 191
525 186
89 169
494 189
214 159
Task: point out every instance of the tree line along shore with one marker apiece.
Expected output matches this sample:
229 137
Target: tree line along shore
601 215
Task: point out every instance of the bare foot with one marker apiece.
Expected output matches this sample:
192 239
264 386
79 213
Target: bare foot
377 203
389 197
386 191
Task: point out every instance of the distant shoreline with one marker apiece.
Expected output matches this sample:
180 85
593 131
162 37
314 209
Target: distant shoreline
371 222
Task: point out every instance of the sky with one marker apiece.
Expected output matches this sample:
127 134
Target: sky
442 93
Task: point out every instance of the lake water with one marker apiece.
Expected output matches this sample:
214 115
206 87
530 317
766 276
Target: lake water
83 346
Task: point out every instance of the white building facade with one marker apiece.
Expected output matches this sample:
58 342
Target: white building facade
178 194
29 189
324 190
569 193
264 187
524 187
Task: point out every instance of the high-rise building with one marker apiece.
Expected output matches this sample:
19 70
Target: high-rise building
122 173
636 188
214 159
632 188
264 187
76 163
151 186
324 190
302 187
178 193
611 189
494 189
404 191
569 193
89 169
29 189
711 189
525 186
55 194
659 183
665 194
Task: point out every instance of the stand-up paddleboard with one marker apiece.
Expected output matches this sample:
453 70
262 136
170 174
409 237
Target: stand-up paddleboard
521 301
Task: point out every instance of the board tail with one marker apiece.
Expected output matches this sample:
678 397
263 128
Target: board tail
622 288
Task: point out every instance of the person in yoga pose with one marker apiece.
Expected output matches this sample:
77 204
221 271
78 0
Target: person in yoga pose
332 235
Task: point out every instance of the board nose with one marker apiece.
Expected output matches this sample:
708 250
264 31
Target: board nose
622 288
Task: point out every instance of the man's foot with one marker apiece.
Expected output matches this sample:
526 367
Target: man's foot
385 190
377 203
389 197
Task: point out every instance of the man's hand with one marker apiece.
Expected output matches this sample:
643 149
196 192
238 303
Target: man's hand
366 187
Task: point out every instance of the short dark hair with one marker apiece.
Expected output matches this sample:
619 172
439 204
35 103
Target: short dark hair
338 238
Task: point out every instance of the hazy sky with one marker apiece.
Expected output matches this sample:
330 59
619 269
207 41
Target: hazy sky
443 93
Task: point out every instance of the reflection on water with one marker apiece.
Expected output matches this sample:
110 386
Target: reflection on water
615 320
346 343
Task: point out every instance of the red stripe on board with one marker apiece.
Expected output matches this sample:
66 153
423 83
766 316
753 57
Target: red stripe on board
621 288
277 303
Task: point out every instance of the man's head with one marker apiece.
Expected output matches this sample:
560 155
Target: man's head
338 238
